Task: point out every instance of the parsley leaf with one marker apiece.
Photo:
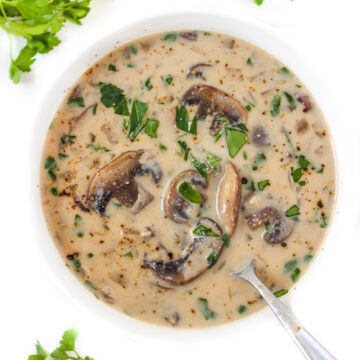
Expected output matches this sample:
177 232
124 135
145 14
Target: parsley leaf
79 101
292 211
200 166
136 124
204 308
170 37
263 184
112 96
235 140
212 259
213 161
290 100
184 149
280 293
190 193
202 230
275 105
182 120
167 79
151 127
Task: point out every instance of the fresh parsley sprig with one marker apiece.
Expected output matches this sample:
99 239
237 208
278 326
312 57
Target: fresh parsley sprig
65 351
38 22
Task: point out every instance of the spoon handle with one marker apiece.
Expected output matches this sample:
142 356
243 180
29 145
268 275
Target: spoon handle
308 345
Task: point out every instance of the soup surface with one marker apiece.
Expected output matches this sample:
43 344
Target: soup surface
173 161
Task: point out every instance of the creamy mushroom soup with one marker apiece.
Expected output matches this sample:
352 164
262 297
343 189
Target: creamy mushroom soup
172 162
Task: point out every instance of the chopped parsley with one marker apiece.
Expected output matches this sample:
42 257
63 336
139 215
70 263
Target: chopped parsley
241 309
259 158
112 96
117 204
182 121
68 139
280 293
290 100
51 167
212 259
54 191
323 220
263 184
292 211
275 105
296 174
98 148
94 109
79 101
151 127
303 162
295 275
284 71
90 255
290 265
148 84
235 140
308 258
172 36
80 234
136 123
202 230
112 67
249 62
213 161
76 264
133 49
162 147
62 156
129 254
200 166
167 79
190 193
205 310
184 149
225 238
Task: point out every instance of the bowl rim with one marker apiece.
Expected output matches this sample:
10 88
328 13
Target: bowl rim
245 28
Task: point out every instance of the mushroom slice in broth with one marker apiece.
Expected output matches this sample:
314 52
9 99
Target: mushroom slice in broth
194 259
117 179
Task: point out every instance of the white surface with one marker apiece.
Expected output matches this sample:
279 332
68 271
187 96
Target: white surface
33 306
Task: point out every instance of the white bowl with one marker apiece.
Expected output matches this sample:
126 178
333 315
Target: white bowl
268 39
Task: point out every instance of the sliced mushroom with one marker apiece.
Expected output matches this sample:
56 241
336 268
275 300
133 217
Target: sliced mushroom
194 258
188 35
260 136
197 71
280 227
215 102
175 206
117 179
228 198
305 100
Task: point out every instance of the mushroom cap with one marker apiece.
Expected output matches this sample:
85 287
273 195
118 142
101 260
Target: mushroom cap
228 198
215 102
117 179
175 206
260 136
193 260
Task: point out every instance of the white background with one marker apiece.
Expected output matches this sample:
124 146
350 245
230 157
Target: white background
32 307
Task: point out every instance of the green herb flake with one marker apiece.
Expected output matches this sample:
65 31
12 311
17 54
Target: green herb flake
92 288
296 174
290 265
213 161
275 105
190 193
218 135
263 184
62 156
79 101
323 221
308 258
162 147
302 183
303 162
212 259
205 310
148 84
133 49
284 71
117 204
131 65
54 191
97 148
235 140
226 239
90 255
112 67
151 127
68 139
280 293
167 79
77 219
51 167
241 309
76 264
245 155
249 62
184 149
292 211
259 158
295 275
202 230
171 37
136 124
182 120
112 96
290 100
80 234
248 107
129 254
299 86
199 166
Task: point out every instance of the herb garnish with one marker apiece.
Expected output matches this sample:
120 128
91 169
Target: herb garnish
38 22
68 139
162 147
296 174
225 238
63 351
290 265
284 71
170 37
263 184
212 259
249 62
51 167
241 309
79 101
182 120
290 100
54 191
204 308
62 156
189 193
133 49
235 140
213 161
280 293
200 166
151 127
323 220
167 79
260 157
184 149
94 109
129 254
137 124
308 258
112 96
112 67
292 211
202 230
275 105
295 275
98 148
148 84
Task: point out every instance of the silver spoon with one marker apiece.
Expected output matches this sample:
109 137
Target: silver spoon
308 345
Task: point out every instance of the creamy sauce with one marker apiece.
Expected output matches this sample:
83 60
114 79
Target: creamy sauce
272 200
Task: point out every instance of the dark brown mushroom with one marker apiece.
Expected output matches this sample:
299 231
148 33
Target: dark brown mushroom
117 179
260 136
197 71
305 100
279 226
228 198
216 103
188 35
194 258
175 206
